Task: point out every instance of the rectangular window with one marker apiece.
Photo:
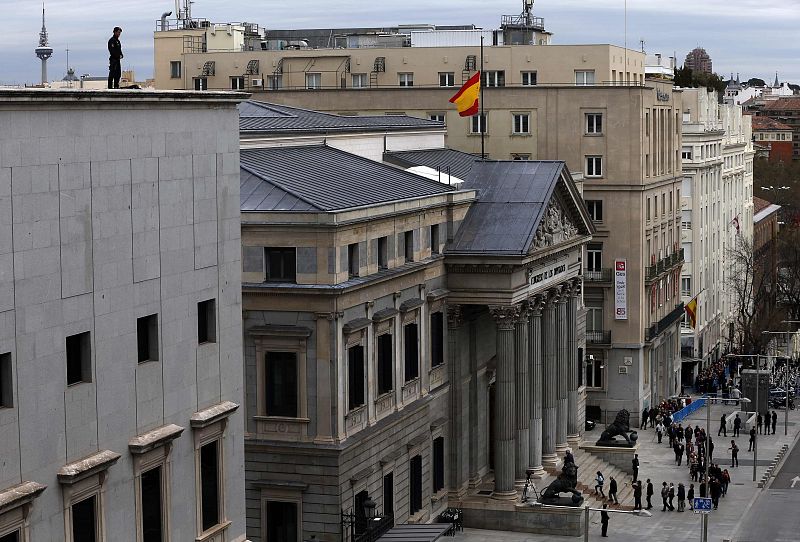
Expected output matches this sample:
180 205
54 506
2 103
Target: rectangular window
152 524
479 124
201 83
522 123
584 77
411 350
686 286
415 484
237 83
352 260
406 79
528 79
594 257
595 208
438 464
84 520
447 79
360 80
594 123
281 264
282 523
594 372
281 387
409 245
493 78
207 321
275 82
313 81
11 537
648 208
209 485
686 153
385 363
79 358
438 117
6 384
147 338
355 376
383 252
580 366
435 239
594 166
437 339
388 494
175 69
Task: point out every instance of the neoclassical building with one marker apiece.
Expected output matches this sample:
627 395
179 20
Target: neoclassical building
403 337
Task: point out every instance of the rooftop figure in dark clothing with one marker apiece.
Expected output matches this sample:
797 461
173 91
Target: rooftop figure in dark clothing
114 57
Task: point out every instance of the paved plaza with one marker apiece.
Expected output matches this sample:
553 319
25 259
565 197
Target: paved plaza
658 463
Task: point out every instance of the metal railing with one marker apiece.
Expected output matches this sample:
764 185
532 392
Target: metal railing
598 337
523 20
653 331
664 264
598 275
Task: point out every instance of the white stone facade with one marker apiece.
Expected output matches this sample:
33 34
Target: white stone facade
116 206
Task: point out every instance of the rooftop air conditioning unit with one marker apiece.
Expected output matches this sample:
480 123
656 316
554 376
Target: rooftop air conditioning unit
258 82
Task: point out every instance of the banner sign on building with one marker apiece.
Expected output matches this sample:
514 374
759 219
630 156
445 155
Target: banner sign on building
620 290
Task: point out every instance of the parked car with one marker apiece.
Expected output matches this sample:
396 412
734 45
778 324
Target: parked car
590 424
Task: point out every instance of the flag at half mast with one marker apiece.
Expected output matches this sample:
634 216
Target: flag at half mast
466 99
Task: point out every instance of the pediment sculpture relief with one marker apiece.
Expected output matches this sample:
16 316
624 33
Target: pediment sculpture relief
555 227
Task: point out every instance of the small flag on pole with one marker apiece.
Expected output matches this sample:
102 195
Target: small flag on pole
735 222
691 310
466 99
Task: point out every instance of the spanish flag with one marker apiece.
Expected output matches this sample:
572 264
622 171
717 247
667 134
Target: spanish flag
466 99
691 310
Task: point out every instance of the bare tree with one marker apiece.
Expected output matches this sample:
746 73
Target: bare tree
788 272
750 282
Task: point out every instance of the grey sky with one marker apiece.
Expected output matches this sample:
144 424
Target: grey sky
752 37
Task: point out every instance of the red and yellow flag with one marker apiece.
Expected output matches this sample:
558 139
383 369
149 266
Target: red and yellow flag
691 310
466 99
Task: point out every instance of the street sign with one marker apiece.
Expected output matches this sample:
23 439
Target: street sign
702 505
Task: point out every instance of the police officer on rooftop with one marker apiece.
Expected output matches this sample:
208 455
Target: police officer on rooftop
114 57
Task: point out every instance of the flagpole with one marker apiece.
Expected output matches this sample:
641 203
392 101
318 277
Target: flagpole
483 115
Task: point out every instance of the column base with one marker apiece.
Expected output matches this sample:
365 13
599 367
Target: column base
519 485
458 493
474 481
574 441
562 448
538 472
505 495
550 461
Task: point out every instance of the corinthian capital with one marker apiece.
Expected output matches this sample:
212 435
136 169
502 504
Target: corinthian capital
455 316
505 316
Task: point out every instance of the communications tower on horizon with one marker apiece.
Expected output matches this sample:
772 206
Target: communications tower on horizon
44 51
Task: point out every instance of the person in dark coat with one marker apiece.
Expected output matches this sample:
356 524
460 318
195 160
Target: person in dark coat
664 496
759 422
737 425
752 439
723 426
604 520
734 454
716 491
681 498
702 488
774 421
635 465
690 496
671 496
649 494
652 417
688 433
612 490
645 415
114 57
637 495
568 457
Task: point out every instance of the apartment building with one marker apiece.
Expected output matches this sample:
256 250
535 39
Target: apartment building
385 321
785 110
120 327
775 136
716 207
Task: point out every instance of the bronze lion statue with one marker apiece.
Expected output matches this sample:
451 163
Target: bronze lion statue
621 427
565 483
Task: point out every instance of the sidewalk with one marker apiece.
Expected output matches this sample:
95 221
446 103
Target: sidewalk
658 464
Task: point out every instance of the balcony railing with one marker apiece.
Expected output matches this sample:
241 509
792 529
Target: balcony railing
665 323
599 275
664 264
598 337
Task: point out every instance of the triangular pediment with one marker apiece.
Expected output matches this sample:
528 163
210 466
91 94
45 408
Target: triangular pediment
564 217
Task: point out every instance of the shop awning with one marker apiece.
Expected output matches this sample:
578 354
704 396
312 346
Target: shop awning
416 533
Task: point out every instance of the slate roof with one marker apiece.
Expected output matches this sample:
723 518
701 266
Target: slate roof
321 178
460 163
261 117
512 197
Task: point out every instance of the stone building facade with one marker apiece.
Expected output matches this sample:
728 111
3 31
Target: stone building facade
120 330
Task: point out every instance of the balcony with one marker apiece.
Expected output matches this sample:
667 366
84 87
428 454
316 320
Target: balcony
598 275
598 337
662 325
663 265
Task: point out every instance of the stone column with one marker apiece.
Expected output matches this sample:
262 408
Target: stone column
561 349
522 396
549 383
573 429
535 375
458 463
474 410
505 317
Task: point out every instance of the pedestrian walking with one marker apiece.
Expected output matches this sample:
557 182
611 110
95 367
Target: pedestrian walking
612 490
734 454
649 494
664 496
716 490
679 433
723 426
604 519
598 484
671 496
690 496
678 449
114 57
702 488
659 431
710 449
645 415
568 457
635 465
774 421
726 480
752 439
681 497
688 433
766 422
759 422
737 424
637 495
